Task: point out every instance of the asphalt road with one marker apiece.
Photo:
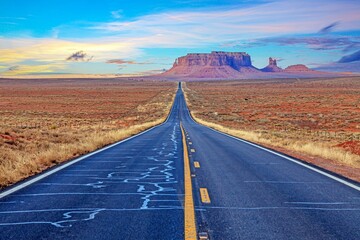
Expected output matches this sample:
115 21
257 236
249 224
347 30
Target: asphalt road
135 190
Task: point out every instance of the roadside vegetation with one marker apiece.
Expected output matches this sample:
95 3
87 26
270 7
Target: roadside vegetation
46 122
316 120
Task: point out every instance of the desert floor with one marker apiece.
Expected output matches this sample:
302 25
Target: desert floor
317 120
47 121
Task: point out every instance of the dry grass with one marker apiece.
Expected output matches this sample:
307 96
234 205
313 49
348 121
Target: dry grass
46 122
311 117
312 148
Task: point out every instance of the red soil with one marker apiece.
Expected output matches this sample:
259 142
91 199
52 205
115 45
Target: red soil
351 146
8 137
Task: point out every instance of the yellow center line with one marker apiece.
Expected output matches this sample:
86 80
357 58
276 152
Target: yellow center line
197 164
205 198
189 211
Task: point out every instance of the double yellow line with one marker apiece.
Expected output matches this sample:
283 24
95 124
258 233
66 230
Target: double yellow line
189 210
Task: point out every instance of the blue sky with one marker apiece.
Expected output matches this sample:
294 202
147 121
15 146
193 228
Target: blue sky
141 37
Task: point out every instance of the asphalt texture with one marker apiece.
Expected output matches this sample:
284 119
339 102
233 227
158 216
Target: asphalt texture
135 190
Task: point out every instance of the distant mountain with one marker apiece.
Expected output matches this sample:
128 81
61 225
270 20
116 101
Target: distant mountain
233 65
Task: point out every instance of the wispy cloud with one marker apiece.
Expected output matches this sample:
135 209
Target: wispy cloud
9 23
31 69
122 61
315 43
340 67
13 68
264 20
124 38
151 72
14 18
117 14
348 63
11 20
15 50
329 28
350 58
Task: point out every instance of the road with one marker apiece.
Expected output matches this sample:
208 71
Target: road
135 190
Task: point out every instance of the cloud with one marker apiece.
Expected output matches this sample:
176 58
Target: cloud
80 55
315 43
268 19
348 63
122 38
350 58
340 67
13 68
150 72
352 47
9 23
117 14
31 69
17 50
14 18
11 20
194 28
329 28
120 61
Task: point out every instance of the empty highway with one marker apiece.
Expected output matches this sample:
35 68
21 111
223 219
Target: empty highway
146 188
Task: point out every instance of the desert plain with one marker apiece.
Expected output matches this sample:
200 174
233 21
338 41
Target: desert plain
316 120
47 121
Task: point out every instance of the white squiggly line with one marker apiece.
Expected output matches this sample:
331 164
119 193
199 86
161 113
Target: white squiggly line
98 184
165 175
147 189
70 218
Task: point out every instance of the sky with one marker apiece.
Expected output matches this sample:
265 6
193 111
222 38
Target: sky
145 37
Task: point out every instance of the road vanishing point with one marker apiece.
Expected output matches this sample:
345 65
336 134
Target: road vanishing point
182 180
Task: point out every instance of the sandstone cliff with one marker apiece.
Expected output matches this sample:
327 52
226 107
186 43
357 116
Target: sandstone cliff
272 67
235 60
213 65
232 65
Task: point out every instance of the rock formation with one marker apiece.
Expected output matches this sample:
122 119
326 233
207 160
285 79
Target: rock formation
235 60
232 65
213 65
298 68
272 67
